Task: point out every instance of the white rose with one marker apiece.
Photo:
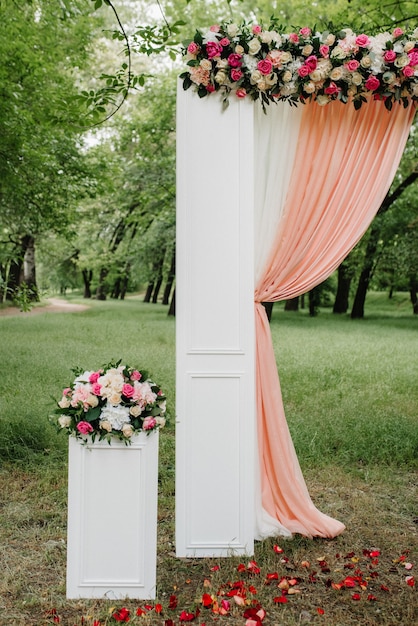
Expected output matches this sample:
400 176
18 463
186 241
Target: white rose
232 30
322 100
285 57
160 421
356 78
64 403
338 53
366 62
402 61
266 36
255 77
254 46
106 425
309 87
337 73
64 421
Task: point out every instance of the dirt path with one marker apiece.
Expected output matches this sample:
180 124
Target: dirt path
54 305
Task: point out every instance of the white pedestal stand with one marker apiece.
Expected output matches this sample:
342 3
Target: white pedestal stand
215 328
112 518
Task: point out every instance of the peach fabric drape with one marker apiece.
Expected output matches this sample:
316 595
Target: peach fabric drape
344 164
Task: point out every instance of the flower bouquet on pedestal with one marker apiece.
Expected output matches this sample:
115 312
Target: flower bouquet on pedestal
114 401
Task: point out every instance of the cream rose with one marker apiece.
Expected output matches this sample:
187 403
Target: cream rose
329 40
366 62
338 53
309 87
220 77
255 77
135 410
105 425
337 73
316 76
254 46
160 421
205 64
410 45
222 64
127 430
402 61
92 400
307 50
232 30
389 77
271 79
356 78
322 100
64 403
286 57
239 49
287 76
351 91
64 421
115 398
266 36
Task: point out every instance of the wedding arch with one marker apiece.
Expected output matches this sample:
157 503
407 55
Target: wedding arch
275 186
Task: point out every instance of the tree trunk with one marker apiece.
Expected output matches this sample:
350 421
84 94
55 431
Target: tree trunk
343 289
170 279
357 311
157 289
292 304
29 267
87 278
116 288
148 293
413 289
314 300
172 309
101 287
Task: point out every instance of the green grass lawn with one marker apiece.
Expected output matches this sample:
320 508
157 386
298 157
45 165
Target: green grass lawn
351 399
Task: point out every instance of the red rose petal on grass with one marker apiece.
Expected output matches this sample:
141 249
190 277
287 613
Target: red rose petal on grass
371 597
253 567
186 617
122 615
356 596
280 599
172 603
215 568
272 576
408 566
169 622
384 588
320 611
241 567
140 611
410 580
278 550
207 600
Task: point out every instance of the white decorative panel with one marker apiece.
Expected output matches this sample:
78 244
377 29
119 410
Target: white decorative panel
112 518
215 328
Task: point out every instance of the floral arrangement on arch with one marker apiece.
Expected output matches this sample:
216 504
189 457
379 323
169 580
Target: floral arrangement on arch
113 401
268 64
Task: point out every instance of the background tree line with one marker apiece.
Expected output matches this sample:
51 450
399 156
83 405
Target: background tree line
87 198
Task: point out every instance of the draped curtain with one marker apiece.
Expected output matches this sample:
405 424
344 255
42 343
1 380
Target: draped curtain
321 176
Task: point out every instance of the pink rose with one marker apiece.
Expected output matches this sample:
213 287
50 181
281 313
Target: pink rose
149 423
372 83
332 89
235 60
413 57
127 390
213 49
390 56
241 93
94 377
193 48
136 375
265 66
236 75
84 428
224 42
408 71
397 32
305 31
362 41
256 29
96 389
293 37
324 51
304 71
215 28
66 391
352 65
312 62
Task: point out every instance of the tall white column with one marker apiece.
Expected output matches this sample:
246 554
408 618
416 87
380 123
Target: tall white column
215 422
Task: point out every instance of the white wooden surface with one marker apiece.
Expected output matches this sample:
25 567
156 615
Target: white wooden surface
112 519
215 398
